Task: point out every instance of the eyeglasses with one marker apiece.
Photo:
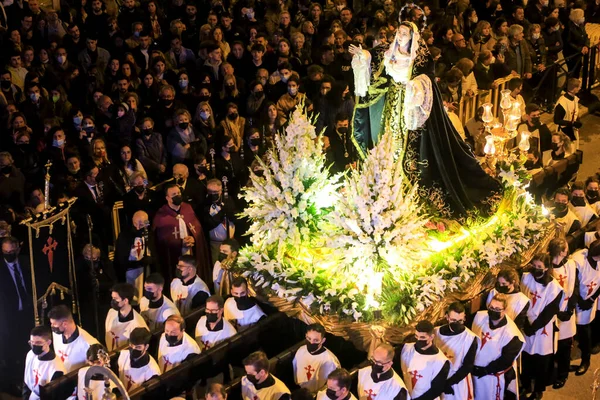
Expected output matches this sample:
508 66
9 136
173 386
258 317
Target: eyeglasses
375 362
496 309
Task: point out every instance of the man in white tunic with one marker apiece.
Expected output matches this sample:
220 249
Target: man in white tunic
507 283
188 291
70 341
564 270
459 345
588 275
121 319
212 328
154 306
546 296
580 206
338 386
258 383
313 362
175 345
565 217
500 343
241 309
41 364
136 365
424 367
379 380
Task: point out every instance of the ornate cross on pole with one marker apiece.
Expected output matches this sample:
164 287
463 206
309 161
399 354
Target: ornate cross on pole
49 249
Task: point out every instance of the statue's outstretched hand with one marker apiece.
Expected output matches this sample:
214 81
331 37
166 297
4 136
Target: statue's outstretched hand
352 49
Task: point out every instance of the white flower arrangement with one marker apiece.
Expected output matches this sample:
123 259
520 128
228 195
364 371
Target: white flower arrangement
350 250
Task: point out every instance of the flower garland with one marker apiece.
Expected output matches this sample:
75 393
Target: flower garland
363 245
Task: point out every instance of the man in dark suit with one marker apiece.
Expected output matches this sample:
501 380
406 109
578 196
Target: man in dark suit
192 191
16 312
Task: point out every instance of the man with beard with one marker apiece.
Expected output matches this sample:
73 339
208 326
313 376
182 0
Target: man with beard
180 233
424 367
546 297
459 345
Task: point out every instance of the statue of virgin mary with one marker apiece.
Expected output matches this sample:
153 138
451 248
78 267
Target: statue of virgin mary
398 95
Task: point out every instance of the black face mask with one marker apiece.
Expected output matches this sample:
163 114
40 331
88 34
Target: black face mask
421 343
243 302
180 181
214 197
141 232
149 295
502 289
114 305
56 330
255 141
201 170
343 130
377 368
232 116
203 98
166 102
10 257
212 317
560 209
179 274
331 394
529 164
6 169
253 379
6 85
222 257
171 339
494 315
538 273
578 201
183 125
456 326
37 350
555 146
592 195
312 347
147 132
258 95
139 189
535 121
135 353
177 200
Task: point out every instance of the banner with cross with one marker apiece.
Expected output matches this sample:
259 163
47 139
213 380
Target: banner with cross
51 257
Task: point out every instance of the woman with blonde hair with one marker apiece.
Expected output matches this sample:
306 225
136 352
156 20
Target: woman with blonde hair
482 38
234 125
218 37
99 153
204 121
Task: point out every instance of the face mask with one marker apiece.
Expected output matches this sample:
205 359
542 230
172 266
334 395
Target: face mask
114 305
135 353
58 143
183 84
222 257
331 394
6 85
77 120
555 146
56 330
149 295
55 98
255 141
253 379
180 181
232 116
204 115
179 274
243 302
502 289
535 121
136 34
88 129
494 315
578 201
183 125
284 78
177 200
250 14
529 164
6 170
60 59
592 194
204 98
171 339
560 209
10 257
538 273
421 343
230 88
377 368
147 132
455 326
34 97
258 94
535 36
37 350
214 197
166 102
202 170
293 91
312 347
343 130
212 317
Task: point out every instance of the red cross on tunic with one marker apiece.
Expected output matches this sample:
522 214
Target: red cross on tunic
561 280
309 370
115 340
534 297
414 377
206 344
62 355
129 382
591 287
49 249
138 247
167 364
485 336
544 332
37 377
370 394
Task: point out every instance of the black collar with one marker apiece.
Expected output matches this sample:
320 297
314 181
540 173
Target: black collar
503 322
49 356
432 350
446 331
569 96
270 381
218 326
321 350
157 304
188 283
72 338
141 362
127 318
382 377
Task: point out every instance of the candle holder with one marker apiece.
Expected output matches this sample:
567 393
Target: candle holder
500 133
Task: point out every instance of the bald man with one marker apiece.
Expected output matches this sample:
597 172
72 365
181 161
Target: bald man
135 253
379 380
193 191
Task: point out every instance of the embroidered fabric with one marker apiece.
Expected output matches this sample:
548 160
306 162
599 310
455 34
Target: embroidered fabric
417 102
